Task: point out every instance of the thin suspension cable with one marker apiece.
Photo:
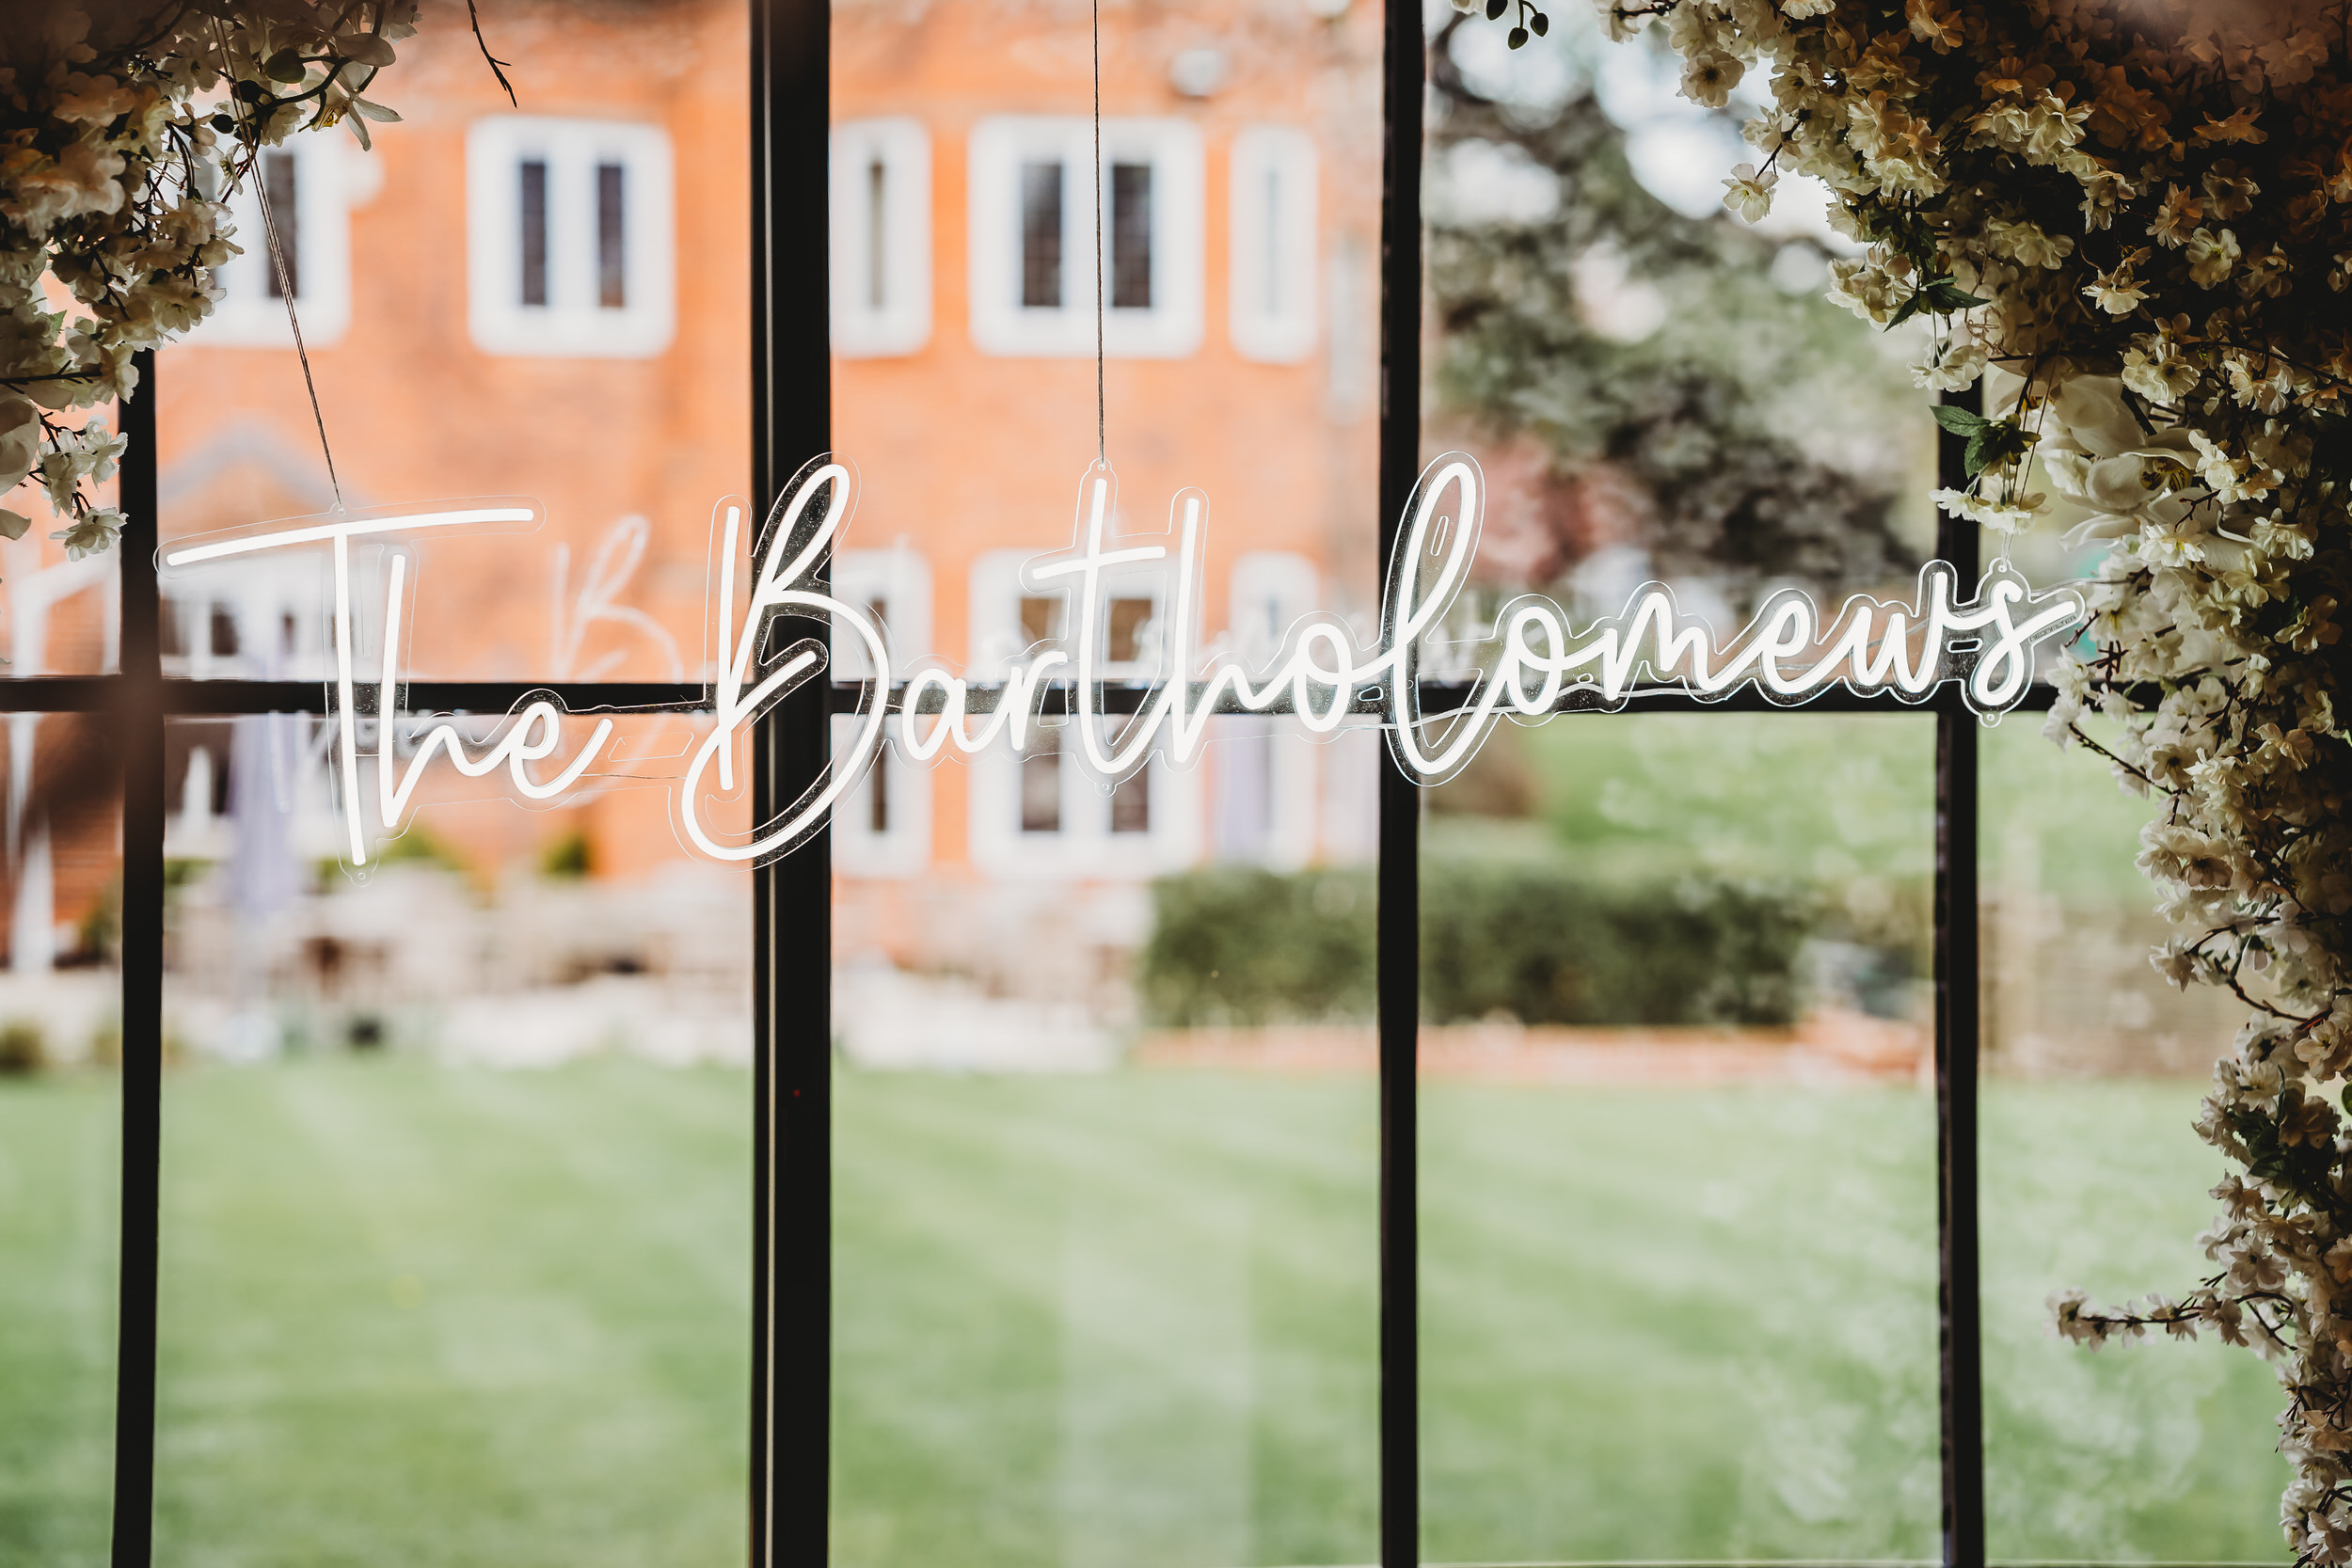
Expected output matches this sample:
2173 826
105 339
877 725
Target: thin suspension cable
285 288
1102 449
285 279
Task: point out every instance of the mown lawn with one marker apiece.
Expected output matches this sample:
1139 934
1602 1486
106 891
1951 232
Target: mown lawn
59 1169
467 1317
423 1315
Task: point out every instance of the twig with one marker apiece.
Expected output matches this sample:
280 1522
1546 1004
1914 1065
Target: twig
475 17
2092 745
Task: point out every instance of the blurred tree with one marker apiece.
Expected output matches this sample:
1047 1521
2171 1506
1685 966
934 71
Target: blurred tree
1690 392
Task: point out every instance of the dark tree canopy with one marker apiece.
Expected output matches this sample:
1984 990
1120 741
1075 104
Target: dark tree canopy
1698 429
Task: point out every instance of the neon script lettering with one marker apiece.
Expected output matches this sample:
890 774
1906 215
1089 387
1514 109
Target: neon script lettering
1536 661
533 735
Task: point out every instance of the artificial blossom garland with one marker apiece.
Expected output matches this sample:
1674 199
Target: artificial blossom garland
2142 210
122 127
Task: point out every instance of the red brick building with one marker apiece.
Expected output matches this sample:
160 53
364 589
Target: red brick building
551 299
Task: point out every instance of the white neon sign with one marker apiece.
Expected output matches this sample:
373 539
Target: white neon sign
1539 662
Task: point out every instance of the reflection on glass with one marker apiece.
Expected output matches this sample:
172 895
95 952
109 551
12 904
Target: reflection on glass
60 1119
1678 1150
456 1213
2093 1177
1107 1143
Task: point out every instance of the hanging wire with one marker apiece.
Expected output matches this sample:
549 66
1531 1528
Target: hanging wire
285 288
277 265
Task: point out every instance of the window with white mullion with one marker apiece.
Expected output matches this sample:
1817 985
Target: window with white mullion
1275 234
1046 812
881 238
883 827
570 238
1032 240
311 184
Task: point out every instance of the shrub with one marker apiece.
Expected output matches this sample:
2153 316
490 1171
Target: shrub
1233 944
23 1049
569 857
1544 947
1534 942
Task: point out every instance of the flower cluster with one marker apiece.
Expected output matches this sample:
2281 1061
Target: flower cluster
121 128
2146 217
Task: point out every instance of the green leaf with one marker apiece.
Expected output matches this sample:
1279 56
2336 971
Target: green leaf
1940 294
1944 294
1908 308
1959 421
285 65
1992 443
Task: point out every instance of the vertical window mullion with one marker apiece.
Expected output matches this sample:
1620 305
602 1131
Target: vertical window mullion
140 748
791 897
1398 921
1960 1337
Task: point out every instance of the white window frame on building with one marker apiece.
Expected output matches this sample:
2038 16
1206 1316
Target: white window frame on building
1012 314
881 238
1086 844
1266 801
882 826
253 619
1275 234
325 177
545 263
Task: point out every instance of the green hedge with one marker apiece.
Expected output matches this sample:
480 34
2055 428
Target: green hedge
1236 945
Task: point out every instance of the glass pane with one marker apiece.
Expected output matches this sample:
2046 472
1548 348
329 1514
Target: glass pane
2093 1177
549 305
1655 388
60 1137
1677 1144
457 1228
1677 1150
1106 1137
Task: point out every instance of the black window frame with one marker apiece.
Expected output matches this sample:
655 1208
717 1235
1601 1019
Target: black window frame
790 417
